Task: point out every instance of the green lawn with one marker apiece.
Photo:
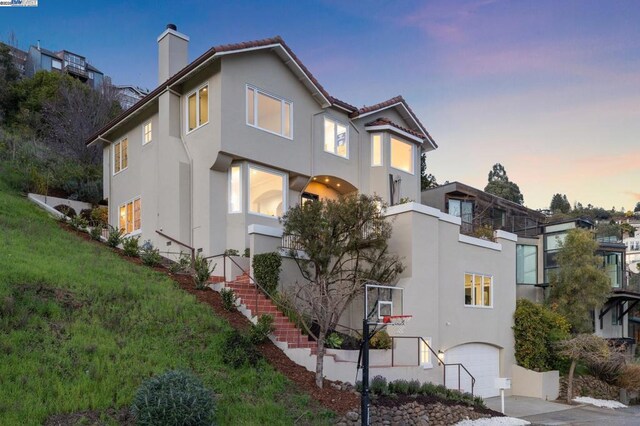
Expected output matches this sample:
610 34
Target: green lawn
81 328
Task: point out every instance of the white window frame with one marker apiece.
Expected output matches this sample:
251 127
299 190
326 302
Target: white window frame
285 186
144 132
473 293
58 67
413 155
186 108
131 201
230 188
428 363
381 135
335 135
113 155
282 100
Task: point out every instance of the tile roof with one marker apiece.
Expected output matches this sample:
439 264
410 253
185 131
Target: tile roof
383 121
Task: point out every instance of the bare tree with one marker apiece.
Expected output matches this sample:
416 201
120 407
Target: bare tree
341 245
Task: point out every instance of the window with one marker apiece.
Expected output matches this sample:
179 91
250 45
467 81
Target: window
235 189
268 112
376 150
401 155
308 197
462 209
526 264
198 108
130 216
425 353
146 133
616 314
336 138
266 192
477 290
91 75
57 65
120 155
613 268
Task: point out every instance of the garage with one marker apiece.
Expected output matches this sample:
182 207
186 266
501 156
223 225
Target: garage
482 361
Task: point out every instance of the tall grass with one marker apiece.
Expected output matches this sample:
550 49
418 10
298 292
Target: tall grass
81 329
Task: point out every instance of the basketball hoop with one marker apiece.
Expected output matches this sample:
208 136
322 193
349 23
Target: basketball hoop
397 321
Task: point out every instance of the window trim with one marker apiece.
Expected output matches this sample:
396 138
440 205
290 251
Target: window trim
373 135
186 108
429 363
125 204
282 100
413 155
490 306
536 261
113 156
285 186
240 188
335 134
149 122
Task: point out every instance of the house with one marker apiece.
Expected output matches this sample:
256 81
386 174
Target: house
73 64
18 56
129 95
211 158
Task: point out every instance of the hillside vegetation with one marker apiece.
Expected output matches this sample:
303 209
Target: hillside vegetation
82 328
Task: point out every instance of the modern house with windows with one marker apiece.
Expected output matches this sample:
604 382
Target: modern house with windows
73 64
217 153
129 95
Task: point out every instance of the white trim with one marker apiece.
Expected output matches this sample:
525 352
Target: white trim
113 156
45 206
381 135
394 129
466 239
196 92
131 201
172 32
421 208
413 156
490 306
144 125
269 231
335 137
506 235
229 188
285 187
283 102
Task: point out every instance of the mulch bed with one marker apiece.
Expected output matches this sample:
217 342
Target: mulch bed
400 400
339 401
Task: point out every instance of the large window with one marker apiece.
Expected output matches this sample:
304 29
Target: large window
266 192
120 155
336 138
477 290
526 264
198 108
462 209
613 268
130 216
235 189
401 155
376 149
425 353
146 133
268 112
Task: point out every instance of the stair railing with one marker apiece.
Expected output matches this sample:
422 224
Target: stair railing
193 250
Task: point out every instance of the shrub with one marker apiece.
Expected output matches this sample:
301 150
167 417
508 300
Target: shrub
247 252
96 232
536 330
266 269
378 386
399 387
228 299
260 332
66 210
130 246
86 214
173 398
182 264
358 385
202 271
380 340
413 387
115 237
484 232
231 252
428 388
78 223
630 377
100 215
150 256
333 341
238 350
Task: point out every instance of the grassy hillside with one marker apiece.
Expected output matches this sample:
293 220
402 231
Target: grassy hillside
81 328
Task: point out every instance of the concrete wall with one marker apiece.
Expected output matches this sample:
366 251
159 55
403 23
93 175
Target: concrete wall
530 383
78 206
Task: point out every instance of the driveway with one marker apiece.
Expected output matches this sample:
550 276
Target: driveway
540 412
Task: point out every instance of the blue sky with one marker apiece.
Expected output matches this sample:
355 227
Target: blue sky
551 89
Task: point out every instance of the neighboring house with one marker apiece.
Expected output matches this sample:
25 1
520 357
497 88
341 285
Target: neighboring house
40 59
633 249
218 152
129 95
19 58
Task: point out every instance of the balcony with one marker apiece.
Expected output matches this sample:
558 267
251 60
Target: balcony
76 70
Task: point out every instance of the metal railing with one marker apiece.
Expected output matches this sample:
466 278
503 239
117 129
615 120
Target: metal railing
445 365
193 250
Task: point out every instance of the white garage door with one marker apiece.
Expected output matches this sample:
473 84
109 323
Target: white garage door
482 361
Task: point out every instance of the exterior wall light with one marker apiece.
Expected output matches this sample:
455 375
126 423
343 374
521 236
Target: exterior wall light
440 357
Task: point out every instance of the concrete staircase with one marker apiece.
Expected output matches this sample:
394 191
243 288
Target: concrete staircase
253 304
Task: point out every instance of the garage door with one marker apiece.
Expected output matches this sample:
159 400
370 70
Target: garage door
482 361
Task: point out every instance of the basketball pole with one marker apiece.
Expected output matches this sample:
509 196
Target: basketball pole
364 399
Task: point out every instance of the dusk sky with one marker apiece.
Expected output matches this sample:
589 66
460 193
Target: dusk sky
550 89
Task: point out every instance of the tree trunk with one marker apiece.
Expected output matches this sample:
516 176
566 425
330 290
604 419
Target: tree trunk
320 358
570 382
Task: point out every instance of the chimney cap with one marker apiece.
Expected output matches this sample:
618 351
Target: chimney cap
172 27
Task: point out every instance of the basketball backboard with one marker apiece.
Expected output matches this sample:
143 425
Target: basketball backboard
382 302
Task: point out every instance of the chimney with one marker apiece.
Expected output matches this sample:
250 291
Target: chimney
173 53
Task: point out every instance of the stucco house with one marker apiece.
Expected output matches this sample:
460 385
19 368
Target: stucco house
225 144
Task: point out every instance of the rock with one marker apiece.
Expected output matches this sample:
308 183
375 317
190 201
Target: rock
353 416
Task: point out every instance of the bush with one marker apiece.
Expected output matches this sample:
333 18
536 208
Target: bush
202 271
260 332
231 252
399 387
173 398
115 237
378 386
266 269
413 387
333 341
100 215
428 388
78 223
228 299
66 210
380 340
182 264
150 256
247 252
238 350
86 214
96 232
536 330
630 377
131 247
